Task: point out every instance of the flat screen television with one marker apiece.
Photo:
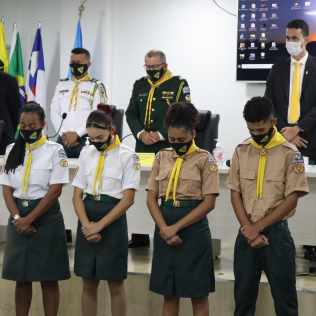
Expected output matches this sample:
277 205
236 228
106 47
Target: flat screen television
261 34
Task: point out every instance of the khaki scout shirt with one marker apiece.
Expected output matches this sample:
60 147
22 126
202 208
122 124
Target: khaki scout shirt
285 174
198 175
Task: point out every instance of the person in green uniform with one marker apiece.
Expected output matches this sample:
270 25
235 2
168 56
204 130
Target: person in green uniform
105 185
182 190
150 100
35 170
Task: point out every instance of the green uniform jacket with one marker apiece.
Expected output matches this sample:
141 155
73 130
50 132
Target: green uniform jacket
174 90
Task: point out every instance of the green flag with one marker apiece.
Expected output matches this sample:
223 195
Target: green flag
16 68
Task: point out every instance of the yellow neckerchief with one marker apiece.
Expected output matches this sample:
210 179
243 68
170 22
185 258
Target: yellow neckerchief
174 177
75 91
100 166
167 75
275 141
28 164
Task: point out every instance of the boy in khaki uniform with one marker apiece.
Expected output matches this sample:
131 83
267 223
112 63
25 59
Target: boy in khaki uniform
266 179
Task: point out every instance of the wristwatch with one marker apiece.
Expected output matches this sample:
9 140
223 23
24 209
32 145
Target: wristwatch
16 217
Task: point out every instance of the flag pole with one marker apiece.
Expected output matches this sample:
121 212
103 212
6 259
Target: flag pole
81 8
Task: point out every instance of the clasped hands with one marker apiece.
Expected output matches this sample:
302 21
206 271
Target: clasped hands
170 235
24 226
91 231
292 135
149 138
254 237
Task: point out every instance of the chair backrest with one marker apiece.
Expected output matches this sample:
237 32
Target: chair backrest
207 130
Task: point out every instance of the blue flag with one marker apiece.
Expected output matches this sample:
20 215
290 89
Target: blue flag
78 41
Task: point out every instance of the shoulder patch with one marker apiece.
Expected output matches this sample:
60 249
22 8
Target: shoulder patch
298 158
212 164
64 163
211 158
298 163
186 90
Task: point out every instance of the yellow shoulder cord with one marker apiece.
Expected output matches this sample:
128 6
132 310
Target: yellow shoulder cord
28 164
92 94
167 76
75 91
179 91
98 179
276 140
175 173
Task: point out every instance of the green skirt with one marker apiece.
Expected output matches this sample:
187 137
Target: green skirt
41 256
106 259
186 270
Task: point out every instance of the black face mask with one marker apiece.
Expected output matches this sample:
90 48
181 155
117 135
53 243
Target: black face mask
155 75
31 136
78 70
263 139
101 146
181 148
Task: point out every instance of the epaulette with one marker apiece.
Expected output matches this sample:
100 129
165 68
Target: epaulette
289 145
245 142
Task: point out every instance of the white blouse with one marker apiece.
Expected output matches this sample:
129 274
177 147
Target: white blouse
49 166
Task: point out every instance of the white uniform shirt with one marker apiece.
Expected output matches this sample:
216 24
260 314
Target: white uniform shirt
302 61
90 94
49 166
121 171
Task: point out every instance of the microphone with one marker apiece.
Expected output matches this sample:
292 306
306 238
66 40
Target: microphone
63 117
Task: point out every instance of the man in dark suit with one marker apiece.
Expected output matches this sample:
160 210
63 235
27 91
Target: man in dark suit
291 86
9 109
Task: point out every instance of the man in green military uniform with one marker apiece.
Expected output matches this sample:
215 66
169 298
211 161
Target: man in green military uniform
150 100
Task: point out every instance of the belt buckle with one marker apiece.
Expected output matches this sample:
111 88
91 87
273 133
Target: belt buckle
97 197
176 203
25 203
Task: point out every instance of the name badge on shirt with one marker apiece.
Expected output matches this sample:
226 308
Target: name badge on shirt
168 95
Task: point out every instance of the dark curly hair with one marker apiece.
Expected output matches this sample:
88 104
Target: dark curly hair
182 115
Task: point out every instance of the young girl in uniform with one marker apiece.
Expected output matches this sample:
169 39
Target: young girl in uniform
105 185
185 180
35 170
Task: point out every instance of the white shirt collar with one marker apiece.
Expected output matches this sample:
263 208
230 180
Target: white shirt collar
302 61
